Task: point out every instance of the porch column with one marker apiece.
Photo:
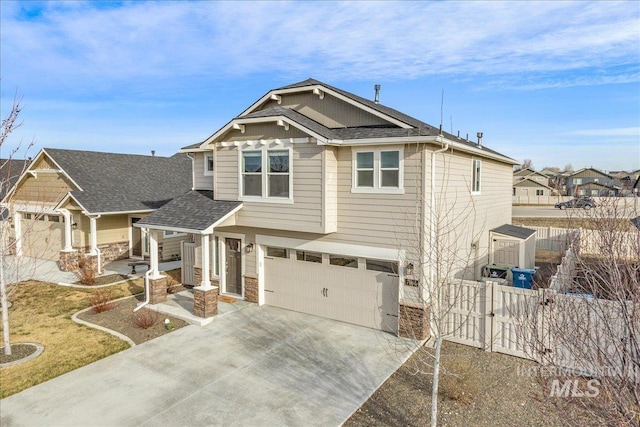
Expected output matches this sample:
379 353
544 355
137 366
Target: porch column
153 253
205 244
93 235
17 228
67 230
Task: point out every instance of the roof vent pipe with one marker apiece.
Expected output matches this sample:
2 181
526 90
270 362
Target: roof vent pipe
377 97
153 153
479 135
467 137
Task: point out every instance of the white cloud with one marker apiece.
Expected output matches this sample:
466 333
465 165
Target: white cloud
67 46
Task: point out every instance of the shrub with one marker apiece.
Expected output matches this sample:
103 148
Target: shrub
86 272
459 380
145 318
101 300
172 285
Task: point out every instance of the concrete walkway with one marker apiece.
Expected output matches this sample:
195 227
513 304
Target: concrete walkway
258 366
18 269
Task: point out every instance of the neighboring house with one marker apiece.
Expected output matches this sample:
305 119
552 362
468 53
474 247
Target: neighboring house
528 187
10 171
318 200
597 189
530 174
69 202
585 176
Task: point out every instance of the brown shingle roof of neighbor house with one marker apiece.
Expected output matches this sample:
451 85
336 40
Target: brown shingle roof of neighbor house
193 211
113 182
10 171
417 127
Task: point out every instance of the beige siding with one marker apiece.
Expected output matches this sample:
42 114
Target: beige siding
112 229
330 112
47 188
200 180
170 246
44 163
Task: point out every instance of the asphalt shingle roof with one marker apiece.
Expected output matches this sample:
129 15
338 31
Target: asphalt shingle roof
514 231
10 171
113 182
195 210
296 117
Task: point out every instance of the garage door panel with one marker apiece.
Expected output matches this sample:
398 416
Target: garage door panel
341 293
42 238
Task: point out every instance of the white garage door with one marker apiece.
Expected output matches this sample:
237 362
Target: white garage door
336 287
42 235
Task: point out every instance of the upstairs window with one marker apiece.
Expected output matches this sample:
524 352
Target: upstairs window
266 174
252 173
477 167
278 175
377 171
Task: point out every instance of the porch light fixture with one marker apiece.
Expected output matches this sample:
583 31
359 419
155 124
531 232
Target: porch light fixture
250 248
409 269
74 226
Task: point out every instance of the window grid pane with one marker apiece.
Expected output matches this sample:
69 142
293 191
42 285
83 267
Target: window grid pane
278 176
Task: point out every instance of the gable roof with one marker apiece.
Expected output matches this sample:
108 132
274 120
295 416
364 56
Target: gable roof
10 171
530 181
528 172
193 212
112 182
401 127
514 231
597 172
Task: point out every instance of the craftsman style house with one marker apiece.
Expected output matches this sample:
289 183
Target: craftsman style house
317 200
68 203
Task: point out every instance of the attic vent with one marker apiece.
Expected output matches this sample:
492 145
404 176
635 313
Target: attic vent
377 97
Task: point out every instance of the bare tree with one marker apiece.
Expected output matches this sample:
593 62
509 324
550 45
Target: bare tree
568 168
11 168
527 164
588 330
447 254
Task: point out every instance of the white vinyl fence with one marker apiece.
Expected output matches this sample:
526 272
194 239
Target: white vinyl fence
561 281
554 239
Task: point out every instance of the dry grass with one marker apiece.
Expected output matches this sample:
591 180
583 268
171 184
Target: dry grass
41 313
544 255
575 221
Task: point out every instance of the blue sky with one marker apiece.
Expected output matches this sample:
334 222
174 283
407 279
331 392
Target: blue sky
554 82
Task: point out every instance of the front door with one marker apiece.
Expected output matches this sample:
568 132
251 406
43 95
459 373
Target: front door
233 262
139 242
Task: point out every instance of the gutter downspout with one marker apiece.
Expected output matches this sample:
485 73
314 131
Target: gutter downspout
193 170
146 291
432 232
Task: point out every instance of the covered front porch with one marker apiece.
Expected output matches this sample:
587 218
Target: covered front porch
197 215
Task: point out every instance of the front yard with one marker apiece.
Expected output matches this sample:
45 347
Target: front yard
41 313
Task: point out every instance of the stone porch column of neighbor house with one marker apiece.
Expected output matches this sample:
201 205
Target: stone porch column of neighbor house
205 296
68 256
157 282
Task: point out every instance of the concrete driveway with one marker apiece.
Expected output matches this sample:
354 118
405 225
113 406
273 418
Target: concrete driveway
256 366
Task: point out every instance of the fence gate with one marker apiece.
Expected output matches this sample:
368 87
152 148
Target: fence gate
492 317
188 251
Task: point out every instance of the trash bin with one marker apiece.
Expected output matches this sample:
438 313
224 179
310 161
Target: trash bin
522 277
496 271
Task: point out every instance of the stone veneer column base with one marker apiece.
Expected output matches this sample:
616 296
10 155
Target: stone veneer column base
68 260
251 289
205 301
92 263
158 289
414 321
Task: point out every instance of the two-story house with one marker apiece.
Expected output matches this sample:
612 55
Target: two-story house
528 183
317 200
591 182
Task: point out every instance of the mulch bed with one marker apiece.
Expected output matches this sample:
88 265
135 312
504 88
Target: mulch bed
501 395
106 280
122 319
18 351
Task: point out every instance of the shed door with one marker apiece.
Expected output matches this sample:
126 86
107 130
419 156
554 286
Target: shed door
505 251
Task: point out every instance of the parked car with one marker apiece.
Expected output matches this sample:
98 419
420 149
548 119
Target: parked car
578 202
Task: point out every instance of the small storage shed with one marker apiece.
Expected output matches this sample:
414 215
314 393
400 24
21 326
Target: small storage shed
513 246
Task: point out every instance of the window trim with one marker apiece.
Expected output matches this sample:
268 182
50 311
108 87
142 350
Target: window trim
377 175
476 165
265 198
208 172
